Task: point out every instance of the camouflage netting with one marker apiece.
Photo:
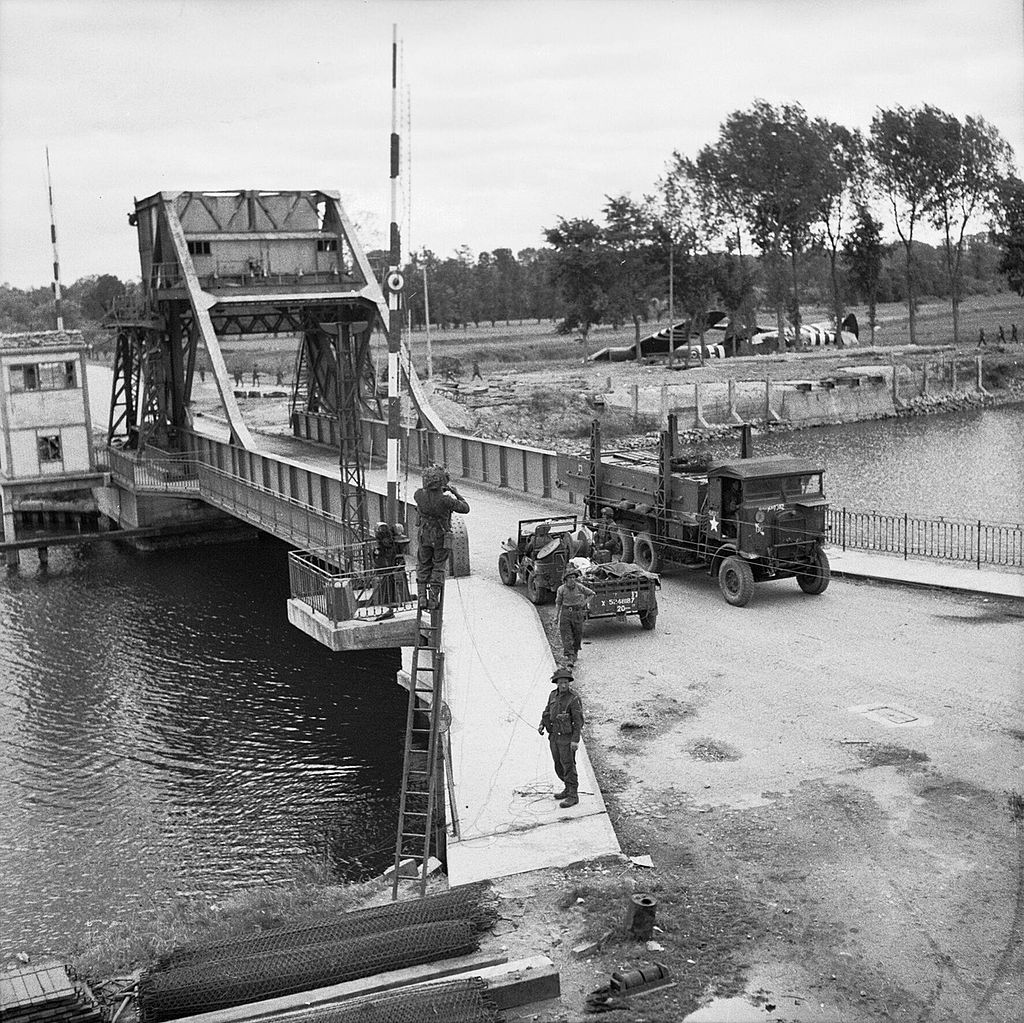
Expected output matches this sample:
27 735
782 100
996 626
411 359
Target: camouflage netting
472 902
453 1001
202 987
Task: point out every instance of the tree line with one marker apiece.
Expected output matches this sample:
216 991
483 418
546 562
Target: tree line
781 210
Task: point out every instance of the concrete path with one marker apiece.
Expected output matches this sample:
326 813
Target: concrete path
498 673
933 574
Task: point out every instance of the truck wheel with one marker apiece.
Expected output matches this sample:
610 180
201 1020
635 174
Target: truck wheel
535 589
736 581
814 578
506 569
648 619
626 539
646 554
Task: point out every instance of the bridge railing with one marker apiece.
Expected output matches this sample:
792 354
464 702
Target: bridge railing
478 459
271 510
344 584
979 543
167 473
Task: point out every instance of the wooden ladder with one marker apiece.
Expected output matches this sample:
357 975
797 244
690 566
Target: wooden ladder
423 719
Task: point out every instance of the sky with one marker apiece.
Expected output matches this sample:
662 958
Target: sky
512 113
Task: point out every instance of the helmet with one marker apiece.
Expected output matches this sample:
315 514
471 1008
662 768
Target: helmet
562 672
607 512
571 570
435 477
543 528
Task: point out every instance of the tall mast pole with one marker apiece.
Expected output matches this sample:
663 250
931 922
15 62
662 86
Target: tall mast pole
58 305
394 289
426 317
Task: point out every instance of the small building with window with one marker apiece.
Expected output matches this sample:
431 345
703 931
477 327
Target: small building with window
44 407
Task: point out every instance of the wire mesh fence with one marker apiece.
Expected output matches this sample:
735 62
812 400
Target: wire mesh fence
472 902
455 1001
203 987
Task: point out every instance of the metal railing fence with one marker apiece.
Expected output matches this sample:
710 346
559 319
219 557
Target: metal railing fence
977 542
164 473
343 583
286 517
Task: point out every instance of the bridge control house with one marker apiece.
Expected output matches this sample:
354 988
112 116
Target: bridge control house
46 444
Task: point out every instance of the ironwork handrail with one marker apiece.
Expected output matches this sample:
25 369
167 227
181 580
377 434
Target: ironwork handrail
168 473
970 542
349 582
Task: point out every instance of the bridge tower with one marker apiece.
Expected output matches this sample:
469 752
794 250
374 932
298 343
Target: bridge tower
220 268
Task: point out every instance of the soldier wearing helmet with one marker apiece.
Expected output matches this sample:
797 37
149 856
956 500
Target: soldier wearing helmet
435 502
606 536
563 721
572 600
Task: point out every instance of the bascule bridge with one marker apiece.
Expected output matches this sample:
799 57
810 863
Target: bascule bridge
226 266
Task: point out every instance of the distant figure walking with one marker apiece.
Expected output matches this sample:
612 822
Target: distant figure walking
1013 334
202 374
1002 335
981 338
238 377
255 375
280 377
476 371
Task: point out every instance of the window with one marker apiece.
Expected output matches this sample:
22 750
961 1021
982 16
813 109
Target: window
44 376
199 248
327 245
49 448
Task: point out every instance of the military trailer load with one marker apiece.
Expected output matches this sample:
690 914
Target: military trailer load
743 521
539 554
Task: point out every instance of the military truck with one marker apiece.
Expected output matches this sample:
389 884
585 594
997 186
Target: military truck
743 521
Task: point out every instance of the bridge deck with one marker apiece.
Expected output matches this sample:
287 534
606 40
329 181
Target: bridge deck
498 676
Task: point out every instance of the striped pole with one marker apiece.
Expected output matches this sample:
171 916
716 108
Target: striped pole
53 239
394 289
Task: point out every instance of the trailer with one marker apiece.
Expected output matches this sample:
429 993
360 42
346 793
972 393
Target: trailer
744 521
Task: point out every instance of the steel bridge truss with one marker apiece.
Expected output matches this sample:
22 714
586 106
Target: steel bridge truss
218 265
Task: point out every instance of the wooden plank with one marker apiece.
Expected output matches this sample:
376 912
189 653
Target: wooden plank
470 964
533 979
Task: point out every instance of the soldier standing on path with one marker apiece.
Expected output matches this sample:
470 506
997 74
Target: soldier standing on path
572 599
435 502
563 721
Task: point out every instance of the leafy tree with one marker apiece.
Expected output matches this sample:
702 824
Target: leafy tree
627 238
842 173
579 271
862 255
769 161
1009 233
969 162
901 145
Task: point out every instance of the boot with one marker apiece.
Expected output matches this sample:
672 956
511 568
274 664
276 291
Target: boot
421 593
562 794
434 600
571 799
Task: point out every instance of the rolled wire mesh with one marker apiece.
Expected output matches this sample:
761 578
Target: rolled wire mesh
218 985
452 1001
472 902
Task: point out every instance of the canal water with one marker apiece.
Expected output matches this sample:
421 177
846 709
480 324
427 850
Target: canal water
966 465
164 731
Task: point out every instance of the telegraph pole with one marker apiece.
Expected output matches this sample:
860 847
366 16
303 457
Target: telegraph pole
395 284
426 317
58 305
